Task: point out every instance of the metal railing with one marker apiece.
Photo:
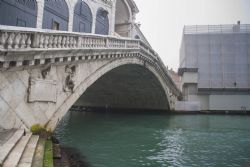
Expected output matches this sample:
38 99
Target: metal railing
227 28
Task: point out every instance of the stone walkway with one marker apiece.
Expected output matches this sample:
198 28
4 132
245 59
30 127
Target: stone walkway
9 143
5 135
17 149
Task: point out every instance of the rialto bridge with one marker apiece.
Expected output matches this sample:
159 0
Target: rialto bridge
44 72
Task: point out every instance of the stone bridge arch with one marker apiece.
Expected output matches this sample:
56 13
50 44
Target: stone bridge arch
40 81
96 71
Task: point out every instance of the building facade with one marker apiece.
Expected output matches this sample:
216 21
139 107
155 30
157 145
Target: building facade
215 66
105 17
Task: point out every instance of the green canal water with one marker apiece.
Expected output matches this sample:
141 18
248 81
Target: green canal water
157 140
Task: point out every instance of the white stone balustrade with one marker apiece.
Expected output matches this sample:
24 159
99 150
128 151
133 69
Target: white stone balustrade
17 39
30 47
14 40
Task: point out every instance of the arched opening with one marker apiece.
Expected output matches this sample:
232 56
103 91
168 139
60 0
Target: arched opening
82 18
123 18
18 13
55 15
131 75
102 22
125 87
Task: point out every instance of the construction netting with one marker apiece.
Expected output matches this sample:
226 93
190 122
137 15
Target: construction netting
222 58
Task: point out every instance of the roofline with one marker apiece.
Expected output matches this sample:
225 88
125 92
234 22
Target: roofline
216 29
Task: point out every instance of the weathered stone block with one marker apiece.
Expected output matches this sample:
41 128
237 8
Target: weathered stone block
9 120
26 115
42 90
24 77
3 82
14 93
3 108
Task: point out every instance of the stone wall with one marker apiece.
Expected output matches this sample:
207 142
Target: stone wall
44 94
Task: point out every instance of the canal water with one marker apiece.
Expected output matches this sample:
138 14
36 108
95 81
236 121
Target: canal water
157 140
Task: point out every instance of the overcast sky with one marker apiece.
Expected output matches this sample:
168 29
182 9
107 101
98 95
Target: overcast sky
162 21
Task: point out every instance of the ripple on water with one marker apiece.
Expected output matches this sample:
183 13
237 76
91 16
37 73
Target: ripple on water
169 148
157 141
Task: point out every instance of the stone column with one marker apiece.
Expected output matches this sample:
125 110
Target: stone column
112 19
94 22
40 9
71 17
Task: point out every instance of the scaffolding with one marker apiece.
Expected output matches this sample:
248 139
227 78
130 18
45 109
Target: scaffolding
221 53
228 28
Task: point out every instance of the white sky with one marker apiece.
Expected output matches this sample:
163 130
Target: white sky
163 20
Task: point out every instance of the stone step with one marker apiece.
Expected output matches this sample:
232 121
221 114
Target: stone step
39 153
6 148
28 154
16 153
5 135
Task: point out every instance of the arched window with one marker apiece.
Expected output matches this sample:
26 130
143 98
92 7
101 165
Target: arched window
82 18
102 22
22 13
123 18
55 15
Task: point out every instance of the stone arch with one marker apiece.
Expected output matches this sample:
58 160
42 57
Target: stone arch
86 83
83 18
123 12
18 13
55 15
102 22
123 18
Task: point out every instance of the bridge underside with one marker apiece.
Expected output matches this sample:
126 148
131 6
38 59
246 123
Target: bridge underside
126 87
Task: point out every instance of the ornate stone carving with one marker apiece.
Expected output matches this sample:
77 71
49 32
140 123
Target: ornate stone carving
69 84
45 72
172 100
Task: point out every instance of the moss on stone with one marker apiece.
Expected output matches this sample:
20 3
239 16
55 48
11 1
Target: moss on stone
48 154
37 129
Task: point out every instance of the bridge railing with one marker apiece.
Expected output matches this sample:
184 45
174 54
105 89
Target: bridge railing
14 39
